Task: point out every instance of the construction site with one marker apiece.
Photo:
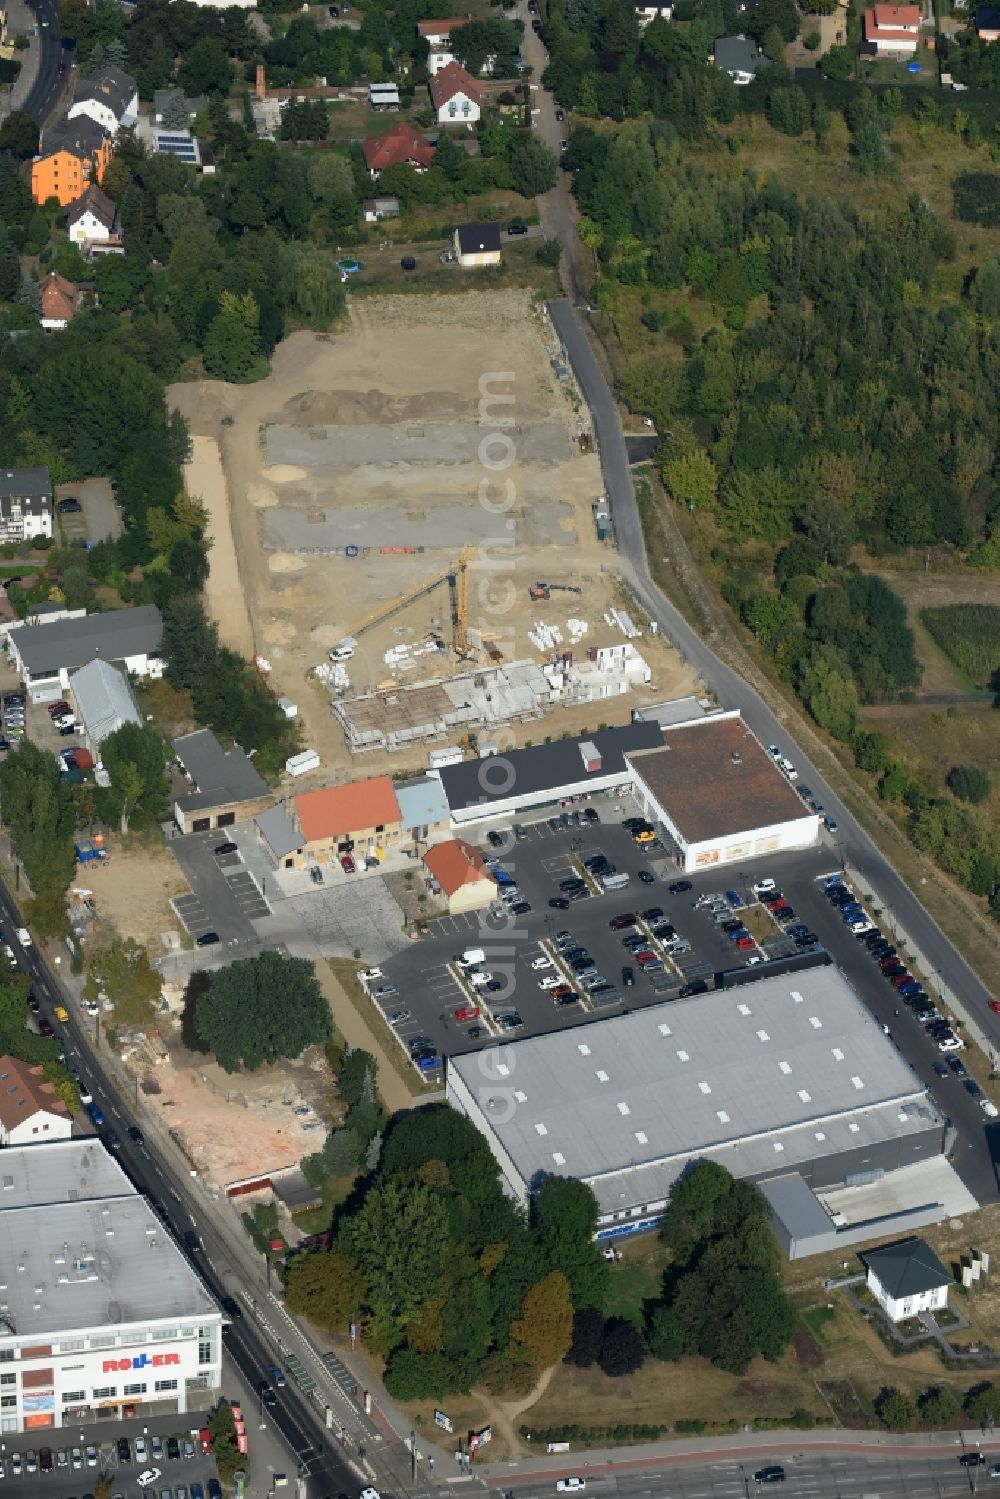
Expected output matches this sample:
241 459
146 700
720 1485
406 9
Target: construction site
412 565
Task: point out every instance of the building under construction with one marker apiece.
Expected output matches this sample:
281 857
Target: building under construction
396 717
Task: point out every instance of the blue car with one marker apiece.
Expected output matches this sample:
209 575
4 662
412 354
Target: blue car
736 936
735 899
94 1111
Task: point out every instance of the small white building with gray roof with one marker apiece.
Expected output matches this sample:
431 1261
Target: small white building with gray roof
104 701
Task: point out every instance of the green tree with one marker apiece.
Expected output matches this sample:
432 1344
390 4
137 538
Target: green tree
10 267
533 166
545 1326
692 479
831 699
135 760
123 972
970 783
232 344
895 1408
939 1406
588 1335
19 135
260 1009
623 1349
666 1336
399 1239
787 108
206 68
329 1289
564 1215
38 809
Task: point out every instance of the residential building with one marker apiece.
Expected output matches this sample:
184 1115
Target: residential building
646 13
717 796
227 788
459 870
104 701
31 1113
361 818
45 653
987 22
907 1278
423 810
778 1076
437 35
93 220
109 97
72 154
478 244
106 1318
739 57
172 103
456 96
60 300
179 143
375 209
892 30
25 503
400 146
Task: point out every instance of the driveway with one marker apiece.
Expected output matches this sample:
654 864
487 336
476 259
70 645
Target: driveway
225 897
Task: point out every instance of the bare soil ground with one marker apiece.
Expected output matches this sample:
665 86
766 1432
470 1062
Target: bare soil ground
378 428
133 890
205 477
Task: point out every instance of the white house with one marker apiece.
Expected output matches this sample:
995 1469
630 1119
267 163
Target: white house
44 654
30 1111
437 35
907 1278
646 13
892 30
110 98
478 244
92 219
25 503
457 97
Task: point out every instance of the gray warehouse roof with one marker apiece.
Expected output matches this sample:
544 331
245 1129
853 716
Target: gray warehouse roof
93 1251
104 699
71 643
543 768
763 1078
220 775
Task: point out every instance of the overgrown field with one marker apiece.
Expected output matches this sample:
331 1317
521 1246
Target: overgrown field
970 635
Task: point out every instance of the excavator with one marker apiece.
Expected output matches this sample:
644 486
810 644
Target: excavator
543 590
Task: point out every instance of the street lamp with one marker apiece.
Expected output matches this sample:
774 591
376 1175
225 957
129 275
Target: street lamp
263 1423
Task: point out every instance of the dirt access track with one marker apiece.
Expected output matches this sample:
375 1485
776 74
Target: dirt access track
377 438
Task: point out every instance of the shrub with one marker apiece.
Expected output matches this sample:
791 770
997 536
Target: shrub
969 783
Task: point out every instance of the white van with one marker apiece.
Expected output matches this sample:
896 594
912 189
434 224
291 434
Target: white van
471 957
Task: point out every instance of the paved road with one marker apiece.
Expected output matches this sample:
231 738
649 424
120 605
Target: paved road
298 1419
963 987
45 90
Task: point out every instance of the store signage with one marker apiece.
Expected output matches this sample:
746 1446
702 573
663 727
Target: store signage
141 1361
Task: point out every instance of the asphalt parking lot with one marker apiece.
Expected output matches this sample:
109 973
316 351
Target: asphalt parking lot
225 897
352 915
177 1475
428 987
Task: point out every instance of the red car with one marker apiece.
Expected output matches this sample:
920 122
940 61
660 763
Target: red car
644 957
745 943
994 1005
467 1012
347 863
780 904
900 979
56 708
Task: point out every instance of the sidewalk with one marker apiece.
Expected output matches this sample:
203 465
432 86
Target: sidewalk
21 21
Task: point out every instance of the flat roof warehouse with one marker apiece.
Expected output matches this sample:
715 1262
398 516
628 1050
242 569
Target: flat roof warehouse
765 1079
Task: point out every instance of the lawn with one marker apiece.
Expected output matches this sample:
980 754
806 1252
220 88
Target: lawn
636 1278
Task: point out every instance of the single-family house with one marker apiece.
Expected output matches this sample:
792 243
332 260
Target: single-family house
458 868
72 153
907 1278
375 209
646 13
739 57
437 35
477 244
180 143
60 300
987 23
227 788
109 97
92 220
104 701
30 1111
457 97
360 819
892 30
175 109
423 811
25 503
45 652
400 146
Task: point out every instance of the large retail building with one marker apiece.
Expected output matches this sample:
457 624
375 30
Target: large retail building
100 1312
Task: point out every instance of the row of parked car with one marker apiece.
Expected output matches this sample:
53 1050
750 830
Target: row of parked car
906 985
585 972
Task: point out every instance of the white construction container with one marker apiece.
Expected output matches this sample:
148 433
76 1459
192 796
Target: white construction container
299 764
449 754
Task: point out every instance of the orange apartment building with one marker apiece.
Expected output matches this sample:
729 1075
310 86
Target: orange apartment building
72 153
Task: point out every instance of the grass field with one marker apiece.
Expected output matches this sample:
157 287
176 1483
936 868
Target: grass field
970 635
